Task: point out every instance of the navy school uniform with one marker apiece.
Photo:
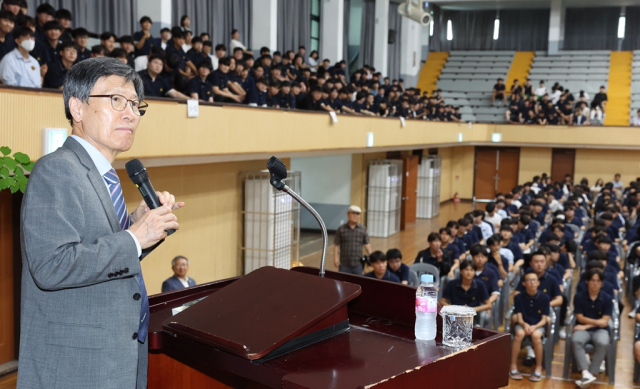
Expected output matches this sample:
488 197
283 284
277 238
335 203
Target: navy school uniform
563 260
154 88
249 86
83 55
146 47
576 221
533 307
452 251
273 101
41 54
478 231
489 277
548 285
402 273
262 98
182 56
511 209
503 259
462 246
517 238
593 309
515 249
195 56
475 296
202 88
218 79
444 266
610 276
388 276
8 45
286 100
612 232
556 273
55 76
469 238
52 53
526 234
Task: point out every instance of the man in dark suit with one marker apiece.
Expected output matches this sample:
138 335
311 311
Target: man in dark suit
180 267
85 310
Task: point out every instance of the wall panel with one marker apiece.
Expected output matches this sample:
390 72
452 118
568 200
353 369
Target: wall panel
533 162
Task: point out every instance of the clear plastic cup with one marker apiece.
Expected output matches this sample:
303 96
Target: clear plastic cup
457 325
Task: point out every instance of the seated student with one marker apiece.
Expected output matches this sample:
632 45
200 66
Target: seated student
496 258
501 208
465 232
57 72
610 273
262 84
486 272
531 311
98 51
604 244
219 79
143 39
434 254
199 87
18 68
554 262
486 228
607 217
466 290
548 284
195 53
564 259
499 92
396 267
154 84
81 39
524 233
492 216
571 218
450 249
462 246
7 23
379 263
272 94
518 257
510 208
593 309
179 280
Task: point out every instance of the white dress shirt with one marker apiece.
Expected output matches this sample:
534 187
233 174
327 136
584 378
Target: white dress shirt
103 166
17 71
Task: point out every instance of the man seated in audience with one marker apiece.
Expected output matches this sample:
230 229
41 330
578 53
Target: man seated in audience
564 272
57 72
492 216
565 113
272 96
44 13
462 246
579 118
52 31
518 257
450 250
108 40
396 267
496 258
235 42
486 229
607 286
516 89
179 280
143 40
525 236
600 100
531 310
64 18
199 87
7 23
433 255
81 39
165 37
178 39
120 54
514 113
196 54
98 51
541 91
220 81
154 84
313 101
486 272
466 290
636 119
126 44
378 261
499 92
592 309
18 68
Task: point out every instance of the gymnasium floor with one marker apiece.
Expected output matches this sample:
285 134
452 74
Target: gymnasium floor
410 242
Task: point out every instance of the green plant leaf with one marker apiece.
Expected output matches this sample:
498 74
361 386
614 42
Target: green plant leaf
23 187
21 158
4 184
21 179
14 188
10 163
28 166
4 172
5 150
19 172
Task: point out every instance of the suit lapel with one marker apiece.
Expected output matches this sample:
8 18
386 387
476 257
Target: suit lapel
96 180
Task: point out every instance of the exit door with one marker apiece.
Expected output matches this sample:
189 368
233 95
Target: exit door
496 170
409 190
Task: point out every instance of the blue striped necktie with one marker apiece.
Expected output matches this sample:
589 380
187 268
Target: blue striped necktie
115 191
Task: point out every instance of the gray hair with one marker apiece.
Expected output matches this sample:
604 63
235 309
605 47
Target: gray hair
82 77
174 260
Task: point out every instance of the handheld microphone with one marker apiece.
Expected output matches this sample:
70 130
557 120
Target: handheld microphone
138 174
278 173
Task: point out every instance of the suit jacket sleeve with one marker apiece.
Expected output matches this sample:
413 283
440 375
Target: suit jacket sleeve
165 286
54 218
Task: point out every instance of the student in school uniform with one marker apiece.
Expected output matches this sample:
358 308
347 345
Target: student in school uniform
466 290
434 254
462 246
379 263
593 309
199 87
518 257
450 249
496 258
531 311
396 267
486 272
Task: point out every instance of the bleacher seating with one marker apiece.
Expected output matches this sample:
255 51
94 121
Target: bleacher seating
574 70
635 85
468 78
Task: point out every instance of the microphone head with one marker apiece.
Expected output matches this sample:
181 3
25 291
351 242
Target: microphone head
278 172
136 171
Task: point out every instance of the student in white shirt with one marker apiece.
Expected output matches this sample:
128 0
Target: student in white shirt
492 216
636 120
18 68
540 91
235 42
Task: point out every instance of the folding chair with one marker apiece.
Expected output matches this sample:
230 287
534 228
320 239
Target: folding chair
425 268
636 365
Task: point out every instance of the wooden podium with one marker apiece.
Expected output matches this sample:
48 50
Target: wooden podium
277 328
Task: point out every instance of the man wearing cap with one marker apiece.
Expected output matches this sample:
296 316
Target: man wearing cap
347 245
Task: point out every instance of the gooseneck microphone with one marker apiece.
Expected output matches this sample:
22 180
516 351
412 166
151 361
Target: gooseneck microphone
138 174
278 172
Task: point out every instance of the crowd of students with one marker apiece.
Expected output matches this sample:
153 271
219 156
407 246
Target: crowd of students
180 64
533 239
557 106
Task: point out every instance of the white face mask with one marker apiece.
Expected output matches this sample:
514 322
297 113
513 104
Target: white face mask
28 44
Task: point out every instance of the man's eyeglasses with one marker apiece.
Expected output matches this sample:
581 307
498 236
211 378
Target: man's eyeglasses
119 103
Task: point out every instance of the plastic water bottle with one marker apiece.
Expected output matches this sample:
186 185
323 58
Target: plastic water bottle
426 308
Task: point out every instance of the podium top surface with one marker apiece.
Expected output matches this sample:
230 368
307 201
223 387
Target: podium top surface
261 311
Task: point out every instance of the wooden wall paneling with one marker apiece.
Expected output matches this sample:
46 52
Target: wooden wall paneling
7 345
